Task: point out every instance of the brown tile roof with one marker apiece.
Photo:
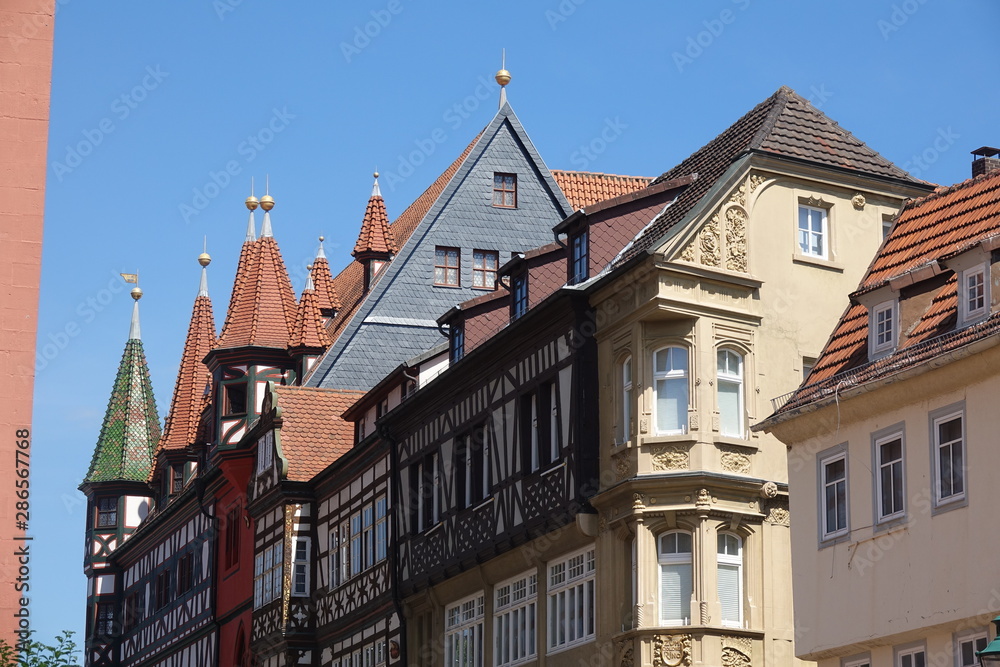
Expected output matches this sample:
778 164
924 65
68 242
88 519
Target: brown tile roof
584 188
349 283
927 229
313 434
375 236
262 309
784 124
308 330
326 293
181 427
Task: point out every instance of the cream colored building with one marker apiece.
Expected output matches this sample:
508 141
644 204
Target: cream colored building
892 449
728 297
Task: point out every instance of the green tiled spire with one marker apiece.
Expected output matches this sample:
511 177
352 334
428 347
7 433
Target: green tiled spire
131 426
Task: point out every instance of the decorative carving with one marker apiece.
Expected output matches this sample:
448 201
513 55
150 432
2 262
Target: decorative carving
688 253
736 239
732 657
814 201
704 498
694 420
671 457
739 196
709 241
621 465
777 512
756 180
671 650
859 201
637 503
733 460
627 660
602 525
768 490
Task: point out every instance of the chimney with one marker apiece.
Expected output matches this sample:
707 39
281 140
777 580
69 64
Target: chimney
987 160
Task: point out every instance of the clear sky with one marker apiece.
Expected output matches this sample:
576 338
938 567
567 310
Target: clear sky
162 112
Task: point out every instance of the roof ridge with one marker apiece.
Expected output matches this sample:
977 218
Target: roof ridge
944 190
781 97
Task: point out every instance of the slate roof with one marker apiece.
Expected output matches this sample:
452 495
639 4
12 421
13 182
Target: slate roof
192 377
927 230
131 428
313 433
262 308
584 188
784 124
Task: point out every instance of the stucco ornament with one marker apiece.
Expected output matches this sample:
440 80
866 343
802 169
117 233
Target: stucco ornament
736 652
671 457
859 201
736 239
734 460
777 513
688 253
627 660
711 254
704 498
671 650
637 501
768 490
755 181
621 465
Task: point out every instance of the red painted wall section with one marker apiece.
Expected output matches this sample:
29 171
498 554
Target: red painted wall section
26 28
234 585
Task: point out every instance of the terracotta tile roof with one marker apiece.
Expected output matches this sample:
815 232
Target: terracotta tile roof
181 427
262 309
131 428
927 230
326 293
784 124
375 236
313 433
308 330
349 283
584 188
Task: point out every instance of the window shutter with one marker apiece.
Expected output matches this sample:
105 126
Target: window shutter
675 592
729 594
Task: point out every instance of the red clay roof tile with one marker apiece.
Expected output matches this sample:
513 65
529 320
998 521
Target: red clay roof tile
181 427
584 188
313 433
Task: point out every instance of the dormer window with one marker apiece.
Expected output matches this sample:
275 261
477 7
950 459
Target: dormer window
972 294
882 328
579 268
519 296
456 343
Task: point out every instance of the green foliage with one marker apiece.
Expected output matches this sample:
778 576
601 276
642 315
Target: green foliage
36 654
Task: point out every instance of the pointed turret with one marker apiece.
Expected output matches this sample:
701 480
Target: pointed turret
326 294
131 426
309 335
375 245
188 400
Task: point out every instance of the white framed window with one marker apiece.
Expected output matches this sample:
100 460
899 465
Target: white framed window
966 648
882 328
265 452
357 553
300 567
571 605
463 632
911 657
625 428
336 566
730 579
973 293
730 387
267 574
860 662
368 534
670 389
675 578
813 236
889 479
381 529
515 615
833 470
949 458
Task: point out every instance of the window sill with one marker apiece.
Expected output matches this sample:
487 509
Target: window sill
571 645
668 439
818 262
450 286
561 464
619 447
948 505
734 441
889 523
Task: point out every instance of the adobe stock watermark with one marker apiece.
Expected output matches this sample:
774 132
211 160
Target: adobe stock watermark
899 16
587 153
562 12
364 34
33 23
248 149
453 117
121 108
920 163
697 44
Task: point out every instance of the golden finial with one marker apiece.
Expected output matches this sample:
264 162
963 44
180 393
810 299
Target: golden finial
204 259
309 267
321 239
375 174
136 293
252 201
267 202
503 76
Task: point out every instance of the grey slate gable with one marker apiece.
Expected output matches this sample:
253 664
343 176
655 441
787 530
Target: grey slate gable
396 320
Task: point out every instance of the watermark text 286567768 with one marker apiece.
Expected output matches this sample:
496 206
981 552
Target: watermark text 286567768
22 471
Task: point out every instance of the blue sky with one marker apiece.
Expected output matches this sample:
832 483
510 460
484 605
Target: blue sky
162 112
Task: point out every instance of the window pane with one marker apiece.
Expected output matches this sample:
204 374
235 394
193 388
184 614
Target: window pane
671 405
729 593
675 593
730 417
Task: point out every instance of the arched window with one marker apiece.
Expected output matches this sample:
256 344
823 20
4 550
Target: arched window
730 579
675 578
625 429
670 386
730 384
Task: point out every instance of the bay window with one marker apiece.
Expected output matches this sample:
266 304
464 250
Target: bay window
670 387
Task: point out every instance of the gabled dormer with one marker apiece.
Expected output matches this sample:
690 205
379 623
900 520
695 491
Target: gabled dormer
976 268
